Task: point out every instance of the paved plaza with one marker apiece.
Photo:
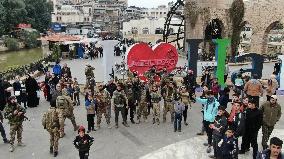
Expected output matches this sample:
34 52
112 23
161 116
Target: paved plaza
145 141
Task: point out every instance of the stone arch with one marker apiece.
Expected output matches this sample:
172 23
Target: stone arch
264 46
210 27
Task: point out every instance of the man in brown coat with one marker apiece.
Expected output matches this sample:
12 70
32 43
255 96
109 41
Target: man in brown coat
271 114
253 89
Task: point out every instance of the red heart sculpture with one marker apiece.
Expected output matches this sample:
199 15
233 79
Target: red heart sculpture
141 57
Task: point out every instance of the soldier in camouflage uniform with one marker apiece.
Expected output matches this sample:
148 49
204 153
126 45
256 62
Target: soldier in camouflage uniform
118 104
155 99
130 99
89 73
168 93
103 101
185 99
65 110
50 122
142 106
16 115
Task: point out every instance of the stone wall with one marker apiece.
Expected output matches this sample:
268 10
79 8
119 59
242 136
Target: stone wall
259 14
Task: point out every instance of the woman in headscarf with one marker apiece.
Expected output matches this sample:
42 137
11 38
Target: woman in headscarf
32 88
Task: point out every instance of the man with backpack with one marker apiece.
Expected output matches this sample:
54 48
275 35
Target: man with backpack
50 122
65 110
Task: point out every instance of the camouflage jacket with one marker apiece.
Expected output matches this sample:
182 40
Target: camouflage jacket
9 114
89 72
50 119
169 93
103 97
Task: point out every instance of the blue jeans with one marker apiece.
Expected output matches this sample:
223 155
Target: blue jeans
177 122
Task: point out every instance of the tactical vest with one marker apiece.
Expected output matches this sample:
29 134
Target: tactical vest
155 97
118 98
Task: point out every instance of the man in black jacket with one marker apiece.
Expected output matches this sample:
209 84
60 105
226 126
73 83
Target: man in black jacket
274 150
253 123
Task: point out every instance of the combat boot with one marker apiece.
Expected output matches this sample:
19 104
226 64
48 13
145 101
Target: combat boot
6 141
132 121
125 124
55 154
62 135
51 150
12 148
21 144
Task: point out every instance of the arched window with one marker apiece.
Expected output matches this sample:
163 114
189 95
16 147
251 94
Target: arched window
145 31
134 30
159 31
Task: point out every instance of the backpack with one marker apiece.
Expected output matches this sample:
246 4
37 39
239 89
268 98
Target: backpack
47 121
61 102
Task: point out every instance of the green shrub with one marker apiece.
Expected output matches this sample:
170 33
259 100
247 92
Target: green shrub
30 38
12 44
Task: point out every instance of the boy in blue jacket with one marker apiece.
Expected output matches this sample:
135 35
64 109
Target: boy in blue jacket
210 109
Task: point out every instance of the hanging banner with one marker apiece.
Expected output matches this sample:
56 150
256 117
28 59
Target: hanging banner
141 57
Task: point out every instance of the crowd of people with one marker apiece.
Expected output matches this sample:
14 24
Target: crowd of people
225 119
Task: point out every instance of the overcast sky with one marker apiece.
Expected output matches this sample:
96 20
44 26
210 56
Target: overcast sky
148 3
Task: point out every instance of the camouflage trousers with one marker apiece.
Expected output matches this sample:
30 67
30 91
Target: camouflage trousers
156 111
169 107
62 116
102 111
16 129
54 137
266 132
142 110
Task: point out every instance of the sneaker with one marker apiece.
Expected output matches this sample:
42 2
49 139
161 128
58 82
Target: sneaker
12 148
205 144
55 154
200 134
109 126
175 130
51 150
154 121
211 156
132 121
98 127
185 123
208 149
179 130
116 125
88 131
21 144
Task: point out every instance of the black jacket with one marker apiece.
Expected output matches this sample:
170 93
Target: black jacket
229 148
238 124
253 120
79 142
265 154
